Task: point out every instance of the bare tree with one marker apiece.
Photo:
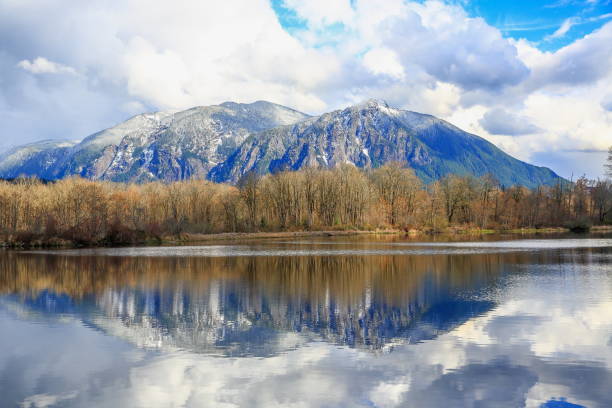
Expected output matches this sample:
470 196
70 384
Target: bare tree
397 187
94 211
249 191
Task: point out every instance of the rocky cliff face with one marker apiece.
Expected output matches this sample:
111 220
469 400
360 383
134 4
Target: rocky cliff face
152 146
190 143
371 134
224 142
365 135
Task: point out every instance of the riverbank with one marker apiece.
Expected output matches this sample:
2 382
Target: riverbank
455 231
194 238
184 238
239 236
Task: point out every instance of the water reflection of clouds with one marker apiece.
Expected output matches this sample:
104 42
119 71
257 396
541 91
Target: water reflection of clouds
523 353
240 304
521 335
47 360
435 374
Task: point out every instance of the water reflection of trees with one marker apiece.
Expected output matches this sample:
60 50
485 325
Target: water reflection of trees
199 302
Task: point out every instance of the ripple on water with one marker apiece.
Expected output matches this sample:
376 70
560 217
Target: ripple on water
377 248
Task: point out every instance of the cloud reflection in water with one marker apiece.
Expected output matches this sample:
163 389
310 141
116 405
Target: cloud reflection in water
500 329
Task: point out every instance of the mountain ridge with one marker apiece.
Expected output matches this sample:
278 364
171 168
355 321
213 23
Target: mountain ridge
224 142
370 134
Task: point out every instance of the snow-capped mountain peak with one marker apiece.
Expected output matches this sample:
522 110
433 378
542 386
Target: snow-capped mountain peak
223 142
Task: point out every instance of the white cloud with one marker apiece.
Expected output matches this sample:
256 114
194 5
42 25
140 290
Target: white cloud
42 65
572 121
499 121
383 61
133 107
46 400
322 12
429 57
606 102
563 28
583 62
568 23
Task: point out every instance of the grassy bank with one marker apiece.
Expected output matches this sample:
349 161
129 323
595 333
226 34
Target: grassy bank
195 238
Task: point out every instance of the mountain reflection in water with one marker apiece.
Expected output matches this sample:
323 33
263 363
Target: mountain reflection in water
512 328
239 305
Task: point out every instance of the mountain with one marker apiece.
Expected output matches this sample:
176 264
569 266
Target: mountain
39 158
95 154
224 142
190 143
371 134
152 146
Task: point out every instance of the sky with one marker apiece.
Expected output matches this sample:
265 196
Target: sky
533 77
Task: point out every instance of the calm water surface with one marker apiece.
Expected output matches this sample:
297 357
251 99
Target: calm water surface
312 323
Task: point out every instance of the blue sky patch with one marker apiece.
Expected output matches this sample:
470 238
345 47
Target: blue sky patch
534 20
537 20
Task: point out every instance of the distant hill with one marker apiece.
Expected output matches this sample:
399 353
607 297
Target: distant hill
224 142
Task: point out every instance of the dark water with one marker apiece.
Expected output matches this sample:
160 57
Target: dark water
315 323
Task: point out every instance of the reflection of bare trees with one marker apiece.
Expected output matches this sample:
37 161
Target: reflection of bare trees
346 278
200 302
204 303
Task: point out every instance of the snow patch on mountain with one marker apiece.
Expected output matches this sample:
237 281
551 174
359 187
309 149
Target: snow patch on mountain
224 142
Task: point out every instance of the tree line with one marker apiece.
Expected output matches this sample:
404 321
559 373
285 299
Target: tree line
389 197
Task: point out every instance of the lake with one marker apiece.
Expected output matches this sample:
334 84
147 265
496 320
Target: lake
321 322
